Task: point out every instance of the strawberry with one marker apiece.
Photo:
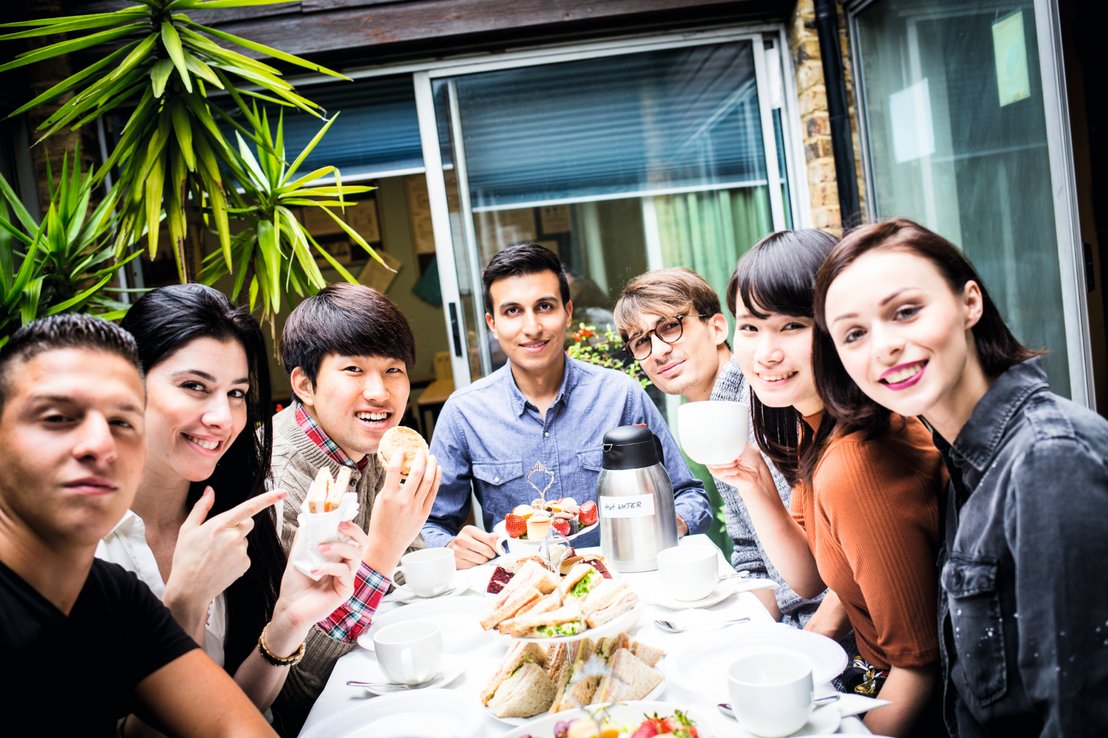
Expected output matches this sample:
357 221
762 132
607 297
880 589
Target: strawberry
678 724
588 514
515 525
561 526
648 729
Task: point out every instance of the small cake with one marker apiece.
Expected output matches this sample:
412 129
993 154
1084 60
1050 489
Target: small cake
538 526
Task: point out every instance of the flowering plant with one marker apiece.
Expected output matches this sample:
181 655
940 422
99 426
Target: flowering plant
604 348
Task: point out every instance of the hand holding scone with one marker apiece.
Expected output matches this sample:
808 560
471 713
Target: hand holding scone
402 505
403 441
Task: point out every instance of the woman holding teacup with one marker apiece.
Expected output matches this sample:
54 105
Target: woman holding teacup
201 530
864 511
1023 616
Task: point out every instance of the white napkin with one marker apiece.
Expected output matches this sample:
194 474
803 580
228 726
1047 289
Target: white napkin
320 528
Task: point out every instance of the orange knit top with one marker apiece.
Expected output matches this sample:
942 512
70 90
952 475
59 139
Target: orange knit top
871 516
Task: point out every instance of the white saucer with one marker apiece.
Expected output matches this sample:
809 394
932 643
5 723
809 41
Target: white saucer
404 593
825 719
452 667
723 590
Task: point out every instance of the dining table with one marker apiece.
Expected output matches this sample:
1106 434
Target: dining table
472 656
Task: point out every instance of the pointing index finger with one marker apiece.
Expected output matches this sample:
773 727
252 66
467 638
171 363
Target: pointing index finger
250 508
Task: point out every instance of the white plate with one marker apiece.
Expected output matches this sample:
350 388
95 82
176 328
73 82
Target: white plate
452 667
501 531
628 714
427 713
824 720
624 622
652 695
701 668
460 618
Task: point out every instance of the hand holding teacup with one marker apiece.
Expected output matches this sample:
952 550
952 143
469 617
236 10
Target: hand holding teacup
713 431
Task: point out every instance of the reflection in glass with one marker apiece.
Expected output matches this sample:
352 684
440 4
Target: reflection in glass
956 138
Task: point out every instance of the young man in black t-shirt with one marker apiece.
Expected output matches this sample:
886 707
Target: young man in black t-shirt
83 642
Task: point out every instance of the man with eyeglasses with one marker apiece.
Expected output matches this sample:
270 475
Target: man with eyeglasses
672 324
536 425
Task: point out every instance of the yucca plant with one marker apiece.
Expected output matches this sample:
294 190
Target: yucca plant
172 81
63 262
275 254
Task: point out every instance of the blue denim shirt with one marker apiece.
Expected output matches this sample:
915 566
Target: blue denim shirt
488 437
1024 606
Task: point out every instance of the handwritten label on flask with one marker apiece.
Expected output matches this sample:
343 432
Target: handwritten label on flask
627 506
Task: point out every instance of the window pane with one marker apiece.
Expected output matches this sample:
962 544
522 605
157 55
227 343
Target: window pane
376 132
615 125
957 141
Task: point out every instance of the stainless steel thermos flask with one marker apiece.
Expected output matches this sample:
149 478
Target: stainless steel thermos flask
635 499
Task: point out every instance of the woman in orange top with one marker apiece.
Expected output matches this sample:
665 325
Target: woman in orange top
864 518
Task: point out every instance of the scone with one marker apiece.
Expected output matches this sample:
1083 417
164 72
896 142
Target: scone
400 440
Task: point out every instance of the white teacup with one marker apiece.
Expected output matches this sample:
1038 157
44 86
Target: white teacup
713 431
771 691
689 572
409 652
428 571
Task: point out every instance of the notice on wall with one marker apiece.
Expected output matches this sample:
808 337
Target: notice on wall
380 277
913 133
1010 52
419 214
362 217
555 218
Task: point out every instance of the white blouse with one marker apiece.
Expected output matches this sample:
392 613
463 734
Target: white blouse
126 545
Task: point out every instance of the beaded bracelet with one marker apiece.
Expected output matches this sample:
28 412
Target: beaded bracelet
275 660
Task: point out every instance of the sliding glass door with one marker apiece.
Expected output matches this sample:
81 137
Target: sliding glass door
621 159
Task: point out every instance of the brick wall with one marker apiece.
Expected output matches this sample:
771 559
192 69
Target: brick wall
814 121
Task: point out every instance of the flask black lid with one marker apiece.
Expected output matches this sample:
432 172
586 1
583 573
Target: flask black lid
631 447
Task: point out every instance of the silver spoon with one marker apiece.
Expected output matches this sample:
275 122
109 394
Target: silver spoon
392 685
725 707
672 627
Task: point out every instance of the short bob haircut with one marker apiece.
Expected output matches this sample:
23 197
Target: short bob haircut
777 276
997 349
66 331
163 322
664 292
519 260
349 320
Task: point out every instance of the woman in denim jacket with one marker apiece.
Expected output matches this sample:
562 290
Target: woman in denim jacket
1023 611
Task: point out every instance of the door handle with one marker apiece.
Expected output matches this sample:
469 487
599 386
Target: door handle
455 329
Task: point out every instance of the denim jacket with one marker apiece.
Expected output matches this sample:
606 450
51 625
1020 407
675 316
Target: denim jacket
1023 611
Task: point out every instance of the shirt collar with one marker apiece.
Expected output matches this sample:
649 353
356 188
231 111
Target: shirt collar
979 440
570 377
319 437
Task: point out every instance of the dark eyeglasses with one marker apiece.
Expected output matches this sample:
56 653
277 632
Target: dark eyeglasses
668 330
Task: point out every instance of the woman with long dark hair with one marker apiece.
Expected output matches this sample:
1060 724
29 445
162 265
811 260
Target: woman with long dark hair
864 510
201 530
1023 615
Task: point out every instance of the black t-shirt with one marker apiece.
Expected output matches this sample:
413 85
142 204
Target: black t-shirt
76 675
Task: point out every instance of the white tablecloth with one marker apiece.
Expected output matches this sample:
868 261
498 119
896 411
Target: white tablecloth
483 658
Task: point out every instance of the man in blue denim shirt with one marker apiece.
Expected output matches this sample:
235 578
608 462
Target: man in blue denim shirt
540 408
1024 608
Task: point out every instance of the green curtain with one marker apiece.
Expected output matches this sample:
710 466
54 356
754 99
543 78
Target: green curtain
708 232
